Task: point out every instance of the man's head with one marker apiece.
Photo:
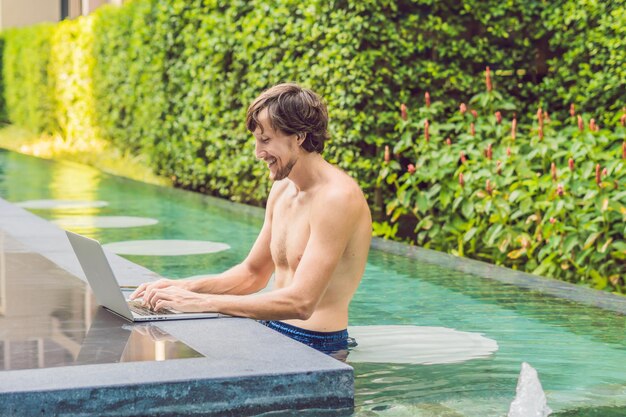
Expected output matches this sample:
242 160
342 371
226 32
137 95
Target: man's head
292 110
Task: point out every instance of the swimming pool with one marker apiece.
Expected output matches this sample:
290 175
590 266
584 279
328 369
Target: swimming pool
579 351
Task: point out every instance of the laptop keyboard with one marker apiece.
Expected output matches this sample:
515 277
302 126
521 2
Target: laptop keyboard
136 307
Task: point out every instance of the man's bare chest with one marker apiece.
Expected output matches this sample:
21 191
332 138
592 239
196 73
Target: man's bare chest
290 234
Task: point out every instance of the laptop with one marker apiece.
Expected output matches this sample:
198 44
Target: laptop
107 290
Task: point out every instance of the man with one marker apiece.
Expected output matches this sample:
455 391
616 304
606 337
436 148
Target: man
315 238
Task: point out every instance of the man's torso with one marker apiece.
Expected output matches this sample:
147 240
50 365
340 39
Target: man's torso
290 234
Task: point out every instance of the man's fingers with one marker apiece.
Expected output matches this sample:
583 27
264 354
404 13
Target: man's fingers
161 304
148 296
156 295
138 292
145 289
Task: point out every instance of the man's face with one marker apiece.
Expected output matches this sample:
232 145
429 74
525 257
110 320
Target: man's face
278 150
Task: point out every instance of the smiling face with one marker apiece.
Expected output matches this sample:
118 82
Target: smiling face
278 150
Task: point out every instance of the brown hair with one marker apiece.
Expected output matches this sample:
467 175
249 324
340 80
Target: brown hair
294 111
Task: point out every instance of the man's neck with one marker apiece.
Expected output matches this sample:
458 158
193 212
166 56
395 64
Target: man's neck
309 171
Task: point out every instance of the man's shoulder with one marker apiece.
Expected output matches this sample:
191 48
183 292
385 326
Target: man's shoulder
342 192
344 183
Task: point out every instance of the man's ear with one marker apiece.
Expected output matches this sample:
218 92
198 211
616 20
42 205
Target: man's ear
301 138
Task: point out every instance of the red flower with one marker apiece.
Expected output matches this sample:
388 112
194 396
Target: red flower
387 154
449 142
546 117
560 190
540 117
622 119
461 180
508 151
498 117
488 79
498 167
605 172
462 108
553 171
570 163
598 175
411 168
403 112
427 99
472 129
540 132
426 132
592 125
474 113
572 110
581 124
463 157
513 128
489 152
552 220
488 187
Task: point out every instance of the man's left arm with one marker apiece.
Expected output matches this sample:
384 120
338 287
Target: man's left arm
334 217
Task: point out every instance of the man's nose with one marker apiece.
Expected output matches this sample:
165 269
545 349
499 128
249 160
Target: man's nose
259 152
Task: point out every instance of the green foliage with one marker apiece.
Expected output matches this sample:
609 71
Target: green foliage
128 76
70 72
588 64
25 77
515 201
3 105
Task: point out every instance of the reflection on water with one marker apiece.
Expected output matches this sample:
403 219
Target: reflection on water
50 319
83 184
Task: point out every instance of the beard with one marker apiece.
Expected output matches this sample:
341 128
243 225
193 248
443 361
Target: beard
284 172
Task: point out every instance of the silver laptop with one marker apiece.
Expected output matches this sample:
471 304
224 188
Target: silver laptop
107 290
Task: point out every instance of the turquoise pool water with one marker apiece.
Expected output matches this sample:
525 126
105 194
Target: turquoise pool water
579 351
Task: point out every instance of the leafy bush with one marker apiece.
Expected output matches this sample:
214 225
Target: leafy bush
588 40
128 75
546 197
3 105
70 71
27 91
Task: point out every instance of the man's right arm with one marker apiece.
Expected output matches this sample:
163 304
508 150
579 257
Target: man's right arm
248 277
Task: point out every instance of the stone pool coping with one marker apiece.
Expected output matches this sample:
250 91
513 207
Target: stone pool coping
246 369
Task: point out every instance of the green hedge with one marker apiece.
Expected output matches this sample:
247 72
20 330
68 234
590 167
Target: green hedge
70 72
588 66
129 75
3 104
27 87
171 79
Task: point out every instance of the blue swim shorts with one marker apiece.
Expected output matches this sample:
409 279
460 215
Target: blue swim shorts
326 342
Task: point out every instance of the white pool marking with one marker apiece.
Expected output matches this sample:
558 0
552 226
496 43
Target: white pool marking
417 345
103 222
166 247
60 204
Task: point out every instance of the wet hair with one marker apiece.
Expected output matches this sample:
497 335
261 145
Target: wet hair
294 111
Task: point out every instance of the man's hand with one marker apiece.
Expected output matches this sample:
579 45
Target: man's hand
149 291
170 294
145 289
175 298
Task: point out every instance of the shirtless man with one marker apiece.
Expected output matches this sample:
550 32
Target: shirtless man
315 238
